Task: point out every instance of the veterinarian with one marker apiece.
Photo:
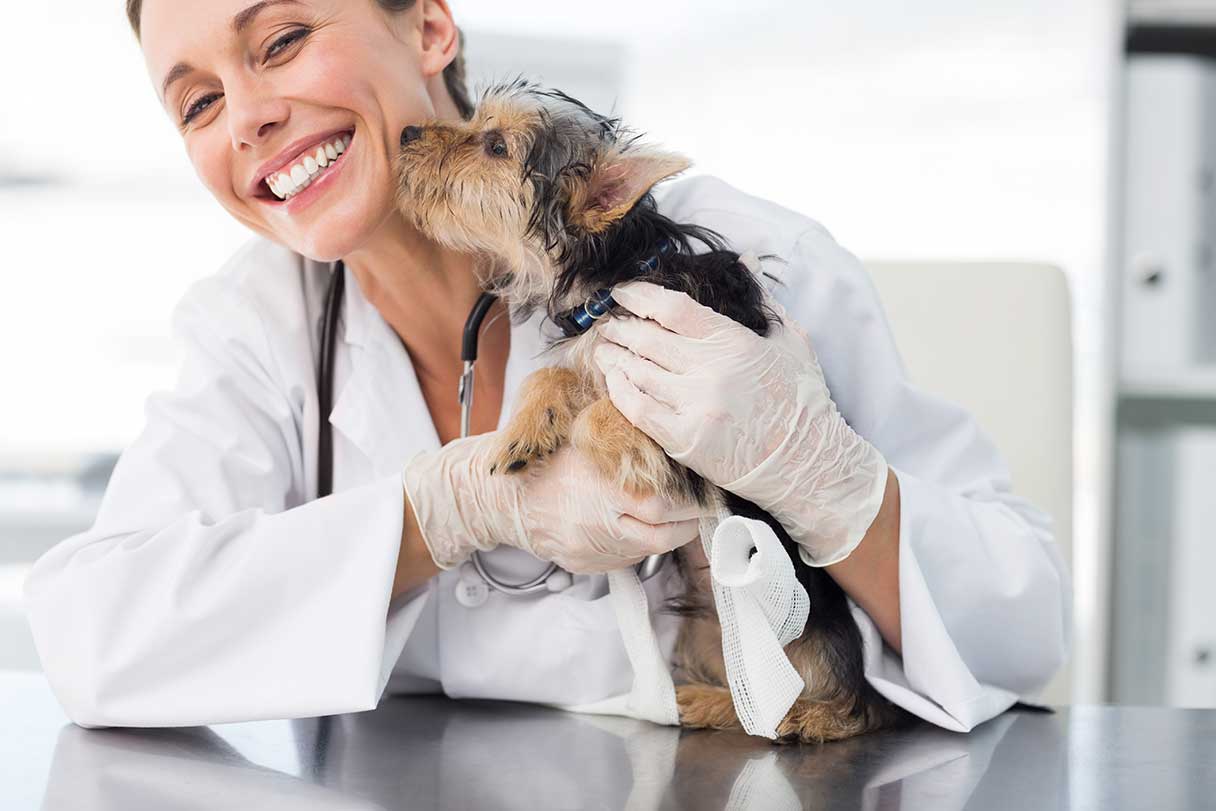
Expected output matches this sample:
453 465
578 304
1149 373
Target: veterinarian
215 586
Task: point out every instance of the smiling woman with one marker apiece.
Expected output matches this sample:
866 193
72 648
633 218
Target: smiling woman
218 583
454 75
262 93
291 114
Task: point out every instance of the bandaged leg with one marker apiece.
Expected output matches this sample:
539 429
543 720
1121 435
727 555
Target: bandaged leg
761 607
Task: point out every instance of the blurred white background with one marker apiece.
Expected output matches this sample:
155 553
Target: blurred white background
943 129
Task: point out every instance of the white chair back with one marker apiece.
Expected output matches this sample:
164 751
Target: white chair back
996 338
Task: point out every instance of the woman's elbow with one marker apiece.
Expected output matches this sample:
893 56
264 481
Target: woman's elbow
1037 635
75 653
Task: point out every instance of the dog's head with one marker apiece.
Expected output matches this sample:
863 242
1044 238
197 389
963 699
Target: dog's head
527 182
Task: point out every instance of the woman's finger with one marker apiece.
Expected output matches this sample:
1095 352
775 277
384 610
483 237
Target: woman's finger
655 509
675 310
652 341
651 378
655 539
649 415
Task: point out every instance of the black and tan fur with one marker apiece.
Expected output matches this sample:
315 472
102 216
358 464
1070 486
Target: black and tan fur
554 200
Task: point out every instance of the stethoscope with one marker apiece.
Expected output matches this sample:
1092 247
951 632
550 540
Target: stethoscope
475 579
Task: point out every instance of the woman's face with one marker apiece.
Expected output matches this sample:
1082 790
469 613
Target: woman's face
268 83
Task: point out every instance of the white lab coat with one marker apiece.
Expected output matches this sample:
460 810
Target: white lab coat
214 587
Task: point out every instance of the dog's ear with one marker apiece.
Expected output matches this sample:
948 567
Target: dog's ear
615 184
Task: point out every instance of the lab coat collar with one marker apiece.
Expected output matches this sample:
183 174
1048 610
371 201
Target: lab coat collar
381 409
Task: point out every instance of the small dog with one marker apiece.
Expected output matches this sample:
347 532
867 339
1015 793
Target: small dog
554 200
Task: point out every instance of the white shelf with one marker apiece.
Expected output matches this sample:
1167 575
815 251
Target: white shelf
1172 12
1191 386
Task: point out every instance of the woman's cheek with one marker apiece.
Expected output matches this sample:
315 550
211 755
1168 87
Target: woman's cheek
210 154
324 76
212 167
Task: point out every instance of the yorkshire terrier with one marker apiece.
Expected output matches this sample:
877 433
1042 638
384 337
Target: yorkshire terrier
555 201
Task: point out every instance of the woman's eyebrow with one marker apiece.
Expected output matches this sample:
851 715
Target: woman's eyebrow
240 22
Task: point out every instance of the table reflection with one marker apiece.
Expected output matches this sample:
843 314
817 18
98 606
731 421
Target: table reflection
431 752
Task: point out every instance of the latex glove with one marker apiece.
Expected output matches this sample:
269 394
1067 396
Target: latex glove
752 415
560 509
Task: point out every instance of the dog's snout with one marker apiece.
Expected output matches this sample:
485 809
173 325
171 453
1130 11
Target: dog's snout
409 134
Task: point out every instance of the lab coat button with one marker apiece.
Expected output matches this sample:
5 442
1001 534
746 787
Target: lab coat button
471 590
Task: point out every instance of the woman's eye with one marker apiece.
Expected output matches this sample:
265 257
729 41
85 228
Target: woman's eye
285 40
275 48
199 106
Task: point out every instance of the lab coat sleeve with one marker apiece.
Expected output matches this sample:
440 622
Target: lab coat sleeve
207 590
985 598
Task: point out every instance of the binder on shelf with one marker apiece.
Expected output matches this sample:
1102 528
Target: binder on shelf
1168 289
1191 634
1140 576
1164 599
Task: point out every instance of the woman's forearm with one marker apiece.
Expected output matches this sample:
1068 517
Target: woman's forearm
870 575
414 562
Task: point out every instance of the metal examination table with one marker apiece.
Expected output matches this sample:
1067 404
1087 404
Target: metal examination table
435 753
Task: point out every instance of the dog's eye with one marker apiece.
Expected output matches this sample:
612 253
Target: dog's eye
496 145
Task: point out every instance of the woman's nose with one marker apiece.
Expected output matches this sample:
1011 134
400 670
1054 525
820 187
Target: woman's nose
253 115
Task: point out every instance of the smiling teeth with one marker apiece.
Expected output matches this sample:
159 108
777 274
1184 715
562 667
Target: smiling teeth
292 180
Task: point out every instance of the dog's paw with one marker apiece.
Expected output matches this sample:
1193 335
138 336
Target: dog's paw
706 706
622 453
819 721
548 402
529 438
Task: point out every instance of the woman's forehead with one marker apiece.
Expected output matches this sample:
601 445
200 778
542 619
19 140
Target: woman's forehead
178 36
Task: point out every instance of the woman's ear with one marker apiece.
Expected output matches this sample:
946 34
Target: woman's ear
440 37
616 183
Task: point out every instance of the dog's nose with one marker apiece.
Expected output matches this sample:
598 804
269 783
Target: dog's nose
410 134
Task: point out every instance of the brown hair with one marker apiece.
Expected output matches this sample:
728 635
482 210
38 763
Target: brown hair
453 74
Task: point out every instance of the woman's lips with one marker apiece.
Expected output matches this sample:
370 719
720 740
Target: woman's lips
320 183
262 190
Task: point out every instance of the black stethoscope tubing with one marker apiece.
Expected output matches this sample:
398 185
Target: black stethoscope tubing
325 369
325 379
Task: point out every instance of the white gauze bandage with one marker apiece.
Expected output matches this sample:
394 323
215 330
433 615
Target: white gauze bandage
761 607
653 697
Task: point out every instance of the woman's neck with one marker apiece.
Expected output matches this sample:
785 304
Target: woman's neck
424 292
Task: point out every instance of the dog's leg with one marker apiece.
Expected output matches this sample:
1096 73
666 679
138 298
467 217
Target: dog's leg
549 399
706 706
819 721
624 454
822 713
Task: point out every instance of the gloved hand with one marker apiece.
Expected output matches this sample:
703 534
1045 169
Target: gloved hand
752 415
559 510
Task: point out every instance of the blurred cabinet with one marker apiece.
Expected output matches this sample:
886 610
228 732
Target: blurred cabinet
1169 283
1163 637
1191 604
1164 645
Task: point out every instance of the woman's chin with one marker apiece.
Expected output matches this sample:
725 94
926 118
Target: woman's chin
338 222
337 234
